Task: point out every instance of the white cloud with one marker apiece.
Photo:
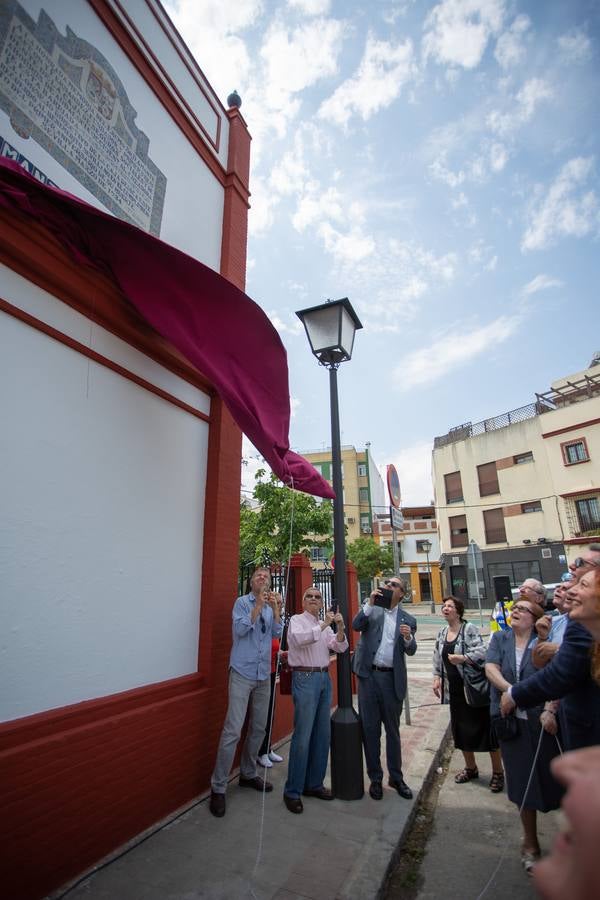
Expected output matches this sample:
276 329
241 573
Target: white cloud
384 69
575 46
457 31
294 326
310 7
451 351
262 206
498 157
510 48
568 209
414 471
349 247
540 283
529 97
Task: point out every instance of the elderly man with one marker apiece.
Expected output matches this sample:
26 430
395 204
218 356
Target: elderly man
310 640
256 621
387 635
550 631
567 677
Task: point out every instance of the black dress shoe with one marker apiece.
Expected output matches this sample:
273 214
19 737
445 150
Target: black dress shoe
294 804
376 790
217 804
402 788
321 793
257 783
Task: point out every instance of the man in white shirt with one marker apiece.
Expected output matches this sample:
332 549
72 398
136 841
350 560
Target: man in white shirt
379 662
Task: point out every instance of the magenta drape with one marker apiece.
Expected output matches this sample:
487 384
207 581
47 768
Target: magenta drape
217 327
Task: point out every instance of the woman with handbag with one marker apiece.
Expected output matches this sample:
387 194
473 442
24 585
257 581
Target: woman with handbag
459 652
525 753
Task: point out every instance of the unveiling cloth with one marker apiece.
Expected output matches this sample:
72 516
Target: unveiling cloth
209 320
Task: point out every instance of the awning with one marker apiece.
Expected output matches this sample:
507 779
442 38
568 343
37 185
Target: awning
217 327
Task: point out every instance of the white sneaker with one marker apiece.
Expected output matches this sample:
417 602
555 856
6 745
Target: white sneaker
264 761
275 757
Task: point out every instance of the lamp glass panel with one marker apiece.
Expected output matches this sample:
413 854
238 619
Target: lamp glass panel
348 332
322 326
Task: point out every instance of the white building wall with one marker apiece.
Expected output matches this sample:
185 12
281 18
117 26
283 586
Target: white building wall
101 530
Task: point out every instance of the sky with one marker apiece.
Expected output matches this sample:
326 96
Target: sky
437 164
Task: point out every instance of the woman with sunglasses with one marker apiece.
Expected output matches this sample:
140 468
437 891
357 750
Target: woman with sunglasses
529 782
459 643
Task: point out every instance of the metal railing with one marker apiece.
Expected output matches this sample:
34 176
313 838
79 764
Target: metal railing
469 430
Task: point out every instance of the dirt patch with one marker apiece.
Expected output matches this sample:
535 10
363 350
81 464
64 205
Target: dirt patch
405 879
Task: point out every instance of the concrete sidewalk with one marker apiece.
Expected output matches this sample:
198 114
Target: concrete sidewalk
259 850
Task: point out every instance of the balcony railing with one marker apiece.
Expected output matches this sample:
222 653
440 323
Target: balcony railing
469 430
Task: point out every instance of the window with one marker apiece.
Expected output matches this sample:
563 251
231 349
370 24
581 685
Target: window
454 491
588 513
318 554
488 479
532 506
318 467
575 452
517 572
362 470
523 458
459 534
363 495
365 524
420 548
493 521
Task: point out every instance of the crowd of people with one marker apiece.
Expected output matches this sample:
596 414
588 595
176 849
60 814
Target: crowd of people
528 695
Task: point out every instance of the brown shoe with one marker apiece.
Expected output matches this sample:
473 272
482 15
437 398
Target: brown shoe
257 783
217 804
321 793
294 804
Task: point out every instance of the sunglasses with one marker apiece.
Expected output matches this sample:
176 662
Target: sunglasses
393 584
263 624
580 561
312 597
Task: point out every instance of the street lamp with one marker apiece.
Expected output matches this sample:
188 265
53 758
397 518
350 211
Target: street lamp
426 545
330 329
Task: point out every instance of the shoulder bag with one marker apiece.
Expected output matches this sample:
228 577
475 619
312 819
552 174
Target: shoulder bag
475 683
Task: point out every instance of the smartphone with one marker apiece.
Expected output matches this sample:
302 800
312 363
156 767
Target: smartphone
386 598
333 606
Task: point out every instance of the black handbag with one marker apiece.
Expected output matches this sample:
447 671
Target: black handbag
505 727
475 684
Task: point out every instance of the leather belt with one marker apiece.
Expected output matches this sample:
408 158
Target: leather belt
310 668
383 668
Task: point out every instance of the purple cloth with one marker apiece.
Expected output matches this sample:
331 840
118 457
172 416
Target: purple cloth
219 329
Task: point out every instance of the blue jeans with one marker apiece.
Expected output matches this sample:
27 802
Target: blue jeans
312 730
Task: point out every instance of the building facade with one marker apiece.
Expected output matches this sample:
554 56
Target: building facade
523 487
364 492
419 567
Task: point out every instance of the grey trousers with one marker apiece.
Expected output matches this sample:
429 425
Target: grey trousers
242 691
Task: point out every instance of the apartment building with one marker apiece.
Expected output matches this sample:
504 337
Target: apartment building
364 493
524 486
418 562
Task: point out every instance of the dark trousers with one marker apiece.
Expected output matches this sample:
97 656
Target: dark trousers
265 747
377 704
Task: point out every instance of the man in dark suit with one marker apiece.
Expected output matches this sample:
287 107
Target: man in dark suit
379 662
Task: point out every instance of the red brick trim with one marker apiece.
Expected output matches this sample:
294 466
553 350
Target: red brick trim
576 462
575 427
582 492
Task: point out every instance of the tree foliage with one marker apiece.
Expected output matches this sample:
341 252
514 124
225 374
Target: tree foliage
284 522
370 558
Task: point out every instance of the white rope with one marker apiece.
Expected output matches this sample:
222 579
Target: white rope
270 722
503 854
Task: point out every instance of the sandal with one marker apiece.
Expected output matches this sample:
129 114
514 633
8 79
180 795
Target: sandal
497 782
466 774
529 858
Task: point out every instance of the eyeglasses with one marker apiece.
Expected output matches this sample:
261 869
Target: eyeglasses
521 608
312 597
580 561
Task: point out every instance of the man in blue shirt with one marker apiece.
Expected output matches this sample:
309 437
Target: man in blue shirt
256 621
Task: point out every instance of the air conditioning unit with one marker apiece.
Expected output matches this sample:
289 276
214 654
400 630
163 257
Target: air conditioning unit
366 529
351 520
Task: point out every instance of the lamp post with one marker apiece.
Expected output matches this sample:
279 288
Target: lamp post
330 329
426 545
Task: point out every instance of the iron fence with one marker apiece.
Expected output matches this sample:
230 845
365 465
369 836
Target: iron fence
468 429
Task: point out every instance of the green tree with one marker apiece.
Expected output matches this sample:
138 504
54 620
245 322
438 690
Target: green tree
283 522
370 558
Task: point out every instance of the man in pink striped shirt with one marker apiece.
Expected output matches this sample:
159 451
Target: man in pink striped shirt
310 641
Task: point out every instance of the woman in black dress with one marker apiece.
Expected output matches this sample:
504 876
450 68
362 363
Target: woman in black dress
459 643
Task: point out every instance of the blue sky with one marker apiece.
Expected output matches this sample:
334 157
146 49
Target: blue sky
438 164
